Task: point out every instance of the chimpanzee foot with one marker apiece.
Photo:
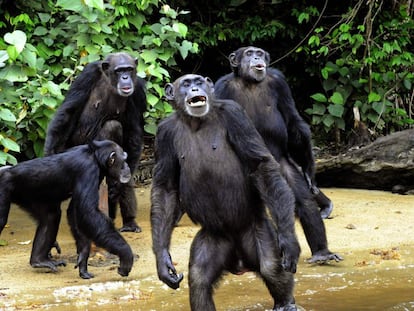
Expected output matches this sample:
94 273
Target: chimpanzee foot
131 227
51 264
287 307
326 210
86 275
324 256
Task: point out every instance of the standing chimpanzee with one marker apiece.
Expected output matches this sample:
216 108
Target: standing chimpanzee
106 101
266 97
211 161
40 185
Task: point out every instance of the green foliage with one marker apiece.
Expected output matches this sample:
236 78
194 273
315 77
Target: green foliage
49 45
369 67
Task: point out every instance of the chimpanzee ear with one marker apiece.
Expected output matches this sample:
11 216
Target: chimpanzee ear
169 91
111 159
210 83
136 61
233 60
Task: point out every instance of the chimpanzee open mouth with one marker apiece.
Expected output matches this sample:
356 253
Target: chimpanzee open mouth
259 67
197 101
126 89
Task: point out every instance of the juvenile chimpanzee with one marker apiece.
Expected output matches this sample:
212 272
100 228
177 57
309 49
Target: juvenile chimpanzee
267 99
40 185
106 101
211 161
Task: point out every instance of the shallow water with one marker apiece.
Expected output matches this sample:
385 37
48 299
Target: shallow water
377 273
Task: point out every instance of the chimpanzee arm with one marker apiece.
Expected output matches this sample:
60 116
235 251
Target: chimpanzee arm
63 124
299 134
134 124
164 205
265 171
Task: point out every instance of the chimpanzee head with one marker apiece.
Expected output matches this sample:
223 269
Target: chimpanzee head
111 157
250 63
191 93
120 68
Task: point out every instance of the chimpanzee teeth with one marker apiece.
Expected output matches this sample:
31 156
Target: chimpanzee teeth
197 104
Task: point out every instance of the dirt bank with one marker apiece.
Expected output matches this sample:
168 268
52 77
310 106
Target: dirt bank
373 230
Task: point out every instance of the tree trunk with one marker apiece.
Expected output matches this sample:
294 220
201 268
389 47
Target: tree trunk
385 164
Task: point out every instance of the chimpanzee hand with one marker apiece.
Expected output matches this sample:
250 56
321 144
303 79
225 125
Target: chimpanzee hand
290 251
167 272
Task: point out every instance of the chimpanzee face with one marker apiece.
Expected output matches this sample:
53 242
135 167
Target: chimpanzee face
121 70
117 167
191 93
113 158
250 63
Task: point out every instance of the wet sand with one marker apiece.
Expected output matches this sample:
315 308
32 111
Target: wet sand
372 230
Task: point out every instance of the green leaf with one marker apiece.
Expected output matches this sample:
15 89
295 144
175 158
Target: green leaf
4 56
378 107
70 5
373 97
16 38
184 48
13 73
319 97
98 4
29 58
150 128
181 29
318 109
407 84
328 121
337 98
10 144
7 115
336 110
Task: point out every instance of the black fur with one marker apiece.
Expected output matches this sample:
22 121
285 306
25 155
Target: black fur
94 109
265 95
217 168
40 185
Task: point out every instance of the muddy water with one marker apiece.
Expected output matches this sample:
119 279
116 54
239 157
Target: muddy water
372 230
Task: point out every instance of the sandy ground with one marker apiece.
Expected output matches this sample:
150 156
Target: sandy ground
372 230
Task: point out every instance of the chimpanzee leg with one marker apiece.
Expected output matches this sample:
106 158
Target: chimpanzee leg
4 210
208 257
262 254
309 216
48 217
89 224
128 207
83 244
120 193
314 229
125 195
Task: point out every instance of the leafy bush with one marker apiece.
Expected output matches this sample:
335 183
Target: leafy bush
46 44
369 71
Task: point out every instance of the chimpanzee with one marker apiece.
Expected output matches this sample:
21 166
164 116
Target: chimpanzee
211 161
40 185
106 101
265 95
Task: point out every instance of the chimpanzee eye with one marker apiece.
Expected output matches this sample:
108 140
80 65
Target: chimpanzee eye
249 53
